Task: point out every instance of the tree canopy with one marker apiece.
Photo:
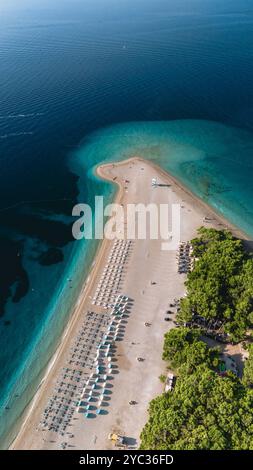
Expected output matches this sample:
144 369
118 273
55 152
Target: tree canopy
205 410
182 346
220 286
248 368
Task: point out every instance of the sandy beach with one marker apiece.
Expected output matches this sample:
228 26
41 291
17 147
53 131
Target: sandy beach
150 280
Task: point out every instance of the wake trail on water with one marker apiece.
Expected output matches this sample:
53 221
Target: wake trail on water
19 116
15 134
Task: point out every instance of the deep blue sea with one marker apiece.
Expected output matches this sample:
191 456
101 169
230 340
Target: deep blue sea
84 81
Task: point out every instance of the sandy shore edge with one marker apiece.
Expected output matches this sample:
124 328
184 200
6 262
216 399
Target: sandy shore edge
102 172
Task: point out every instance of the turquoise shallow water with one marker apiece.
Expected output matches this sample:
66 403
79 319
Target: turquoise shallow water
48 331
211 159
72 67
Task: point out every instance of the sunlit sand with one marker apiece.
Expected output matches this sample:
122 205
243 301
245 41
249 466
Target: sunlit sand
107 367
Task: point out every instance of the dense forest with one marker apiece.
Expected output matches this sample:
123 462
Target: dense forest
220 287
207 409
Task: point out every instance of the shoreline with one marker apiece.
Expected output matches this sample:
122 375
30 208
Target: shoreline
180 186
70 324
103 172
227 224
64 337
